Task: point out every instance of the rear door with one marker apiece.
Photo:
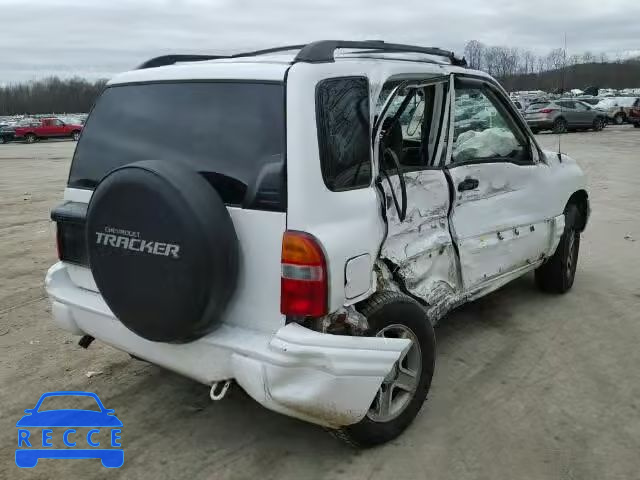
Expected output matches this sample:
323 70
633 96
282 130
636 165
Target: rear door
569 112
233 133
586 113
411 131
498 219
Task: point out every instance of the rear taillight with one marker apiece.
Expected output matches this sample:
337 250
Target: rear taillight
546 110
71 244
303 285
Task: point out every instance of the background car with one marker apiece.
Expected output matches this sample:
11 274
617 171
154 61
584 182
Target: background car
7 133
563 115
617 109
48 128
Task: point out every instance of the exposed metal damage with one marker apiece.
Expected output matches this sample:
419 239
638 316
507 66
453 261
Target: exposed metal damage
419 250
419 255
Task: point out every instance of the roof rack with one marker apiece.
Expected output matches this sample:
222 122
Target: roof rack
173 59
315 52
324 50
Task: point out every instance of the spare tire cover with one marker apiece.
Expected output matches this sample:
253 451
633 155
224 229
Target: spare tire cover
162 249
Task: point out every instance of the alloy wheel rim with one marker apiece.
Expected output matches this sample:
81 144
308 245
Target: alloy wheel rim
399 386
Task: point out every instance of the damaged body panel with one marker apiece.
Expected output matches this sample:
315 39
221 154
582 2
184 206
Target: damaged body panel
419 250
487 211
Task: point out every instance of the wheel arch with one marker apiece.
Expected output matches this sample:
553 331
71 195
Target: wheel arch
580 199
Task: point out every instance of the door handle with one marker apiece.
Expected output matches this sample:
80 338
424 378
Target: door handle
468 184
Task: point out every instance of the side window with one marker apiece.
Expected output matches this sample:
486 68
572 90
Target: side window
567 104
580 107
411 126
342 106
56 123
484 130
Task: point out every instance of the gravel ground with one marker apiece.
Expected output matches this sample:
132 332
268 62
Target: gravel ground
527 385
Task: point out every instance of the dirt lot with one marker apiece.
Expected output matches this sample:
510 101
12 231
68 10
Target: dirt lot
527 385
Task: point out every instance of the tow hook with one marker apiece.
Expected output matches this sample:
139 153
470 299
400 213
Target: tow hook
219 390
85 341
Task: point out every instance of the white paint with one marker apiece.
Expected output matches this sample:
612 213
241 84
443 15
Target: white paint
326 379
421 247
256 300
357 276
208 70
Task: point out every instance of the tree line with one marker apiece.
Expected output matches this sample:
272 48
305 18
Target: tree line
516 68
521 69
51 95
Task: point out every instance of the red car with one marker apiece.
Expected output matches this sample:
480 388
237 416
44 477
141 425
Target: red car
48 128
634 116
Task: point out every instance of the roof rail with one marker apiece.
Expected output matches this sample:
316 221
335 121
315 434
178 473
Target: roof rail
315 52
173 59
324 50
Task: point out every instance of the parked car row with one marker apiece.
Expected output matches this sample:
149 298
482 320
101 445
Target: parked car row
34 130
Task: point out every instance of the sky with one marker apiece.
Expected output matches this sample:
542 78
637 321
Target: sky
98 38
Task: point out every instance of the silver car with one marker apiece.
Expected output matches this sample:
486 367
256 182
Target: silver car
564 115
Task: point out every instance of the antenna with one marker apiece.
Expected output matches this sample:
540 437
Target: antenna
564 74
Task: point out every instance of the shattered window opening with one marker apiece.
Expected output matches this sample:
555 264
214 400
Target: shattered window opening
484 131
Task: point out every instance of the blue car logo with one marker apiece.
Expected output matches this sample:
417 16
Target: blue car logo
67 426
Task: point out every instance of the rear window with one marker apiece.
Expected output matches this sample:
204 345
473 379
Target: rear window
537 106
344 132
231 132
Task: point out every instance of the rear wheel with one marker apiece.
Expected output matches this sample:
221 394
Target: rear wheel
558 273
636 125
403 391
30 138
598 124
619 119
560 126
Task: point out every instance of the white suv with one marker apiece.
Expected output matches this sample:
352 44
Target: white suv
296 220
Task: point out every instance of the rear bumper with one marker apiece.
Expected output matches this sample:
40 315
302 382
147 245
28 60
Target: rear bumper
326 379
541 124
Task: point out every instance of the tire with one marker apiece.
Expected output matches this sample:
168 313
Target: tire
171 264
619 118
30 138
558 273
560 125
394 314
598 125
3 140
636 125
75 136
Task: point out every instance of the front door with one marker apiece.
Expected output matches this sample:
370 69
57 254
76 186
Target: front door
498 220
